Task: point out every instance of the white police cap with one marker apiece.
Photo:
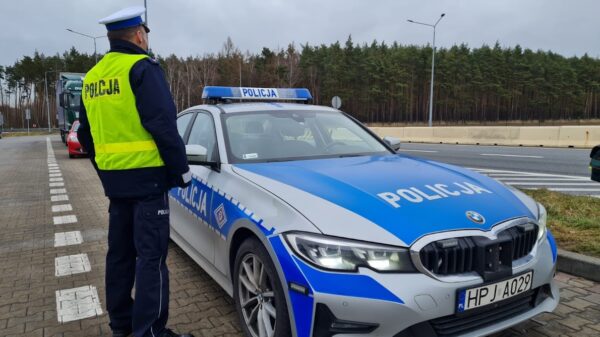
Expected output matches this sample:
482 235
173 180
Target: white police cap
125 18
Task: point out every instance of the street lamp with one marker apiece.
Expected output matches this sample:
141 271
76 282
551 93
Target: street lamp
91 37
432 63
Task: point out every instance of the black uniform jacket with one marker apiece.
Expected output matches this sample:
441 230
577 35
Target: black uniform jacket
158 115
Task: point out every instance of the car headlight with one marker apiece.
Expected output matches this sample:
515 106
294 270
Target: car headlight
347 255
542 220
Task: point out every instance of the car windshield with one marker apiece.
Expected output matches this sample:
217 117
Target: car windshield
74 101
294 135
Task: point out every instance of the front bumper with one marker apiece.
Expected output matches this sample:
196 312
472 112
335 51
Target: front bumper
399 304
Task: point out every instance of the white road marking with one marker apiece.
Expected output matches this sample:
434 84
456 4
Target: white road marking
58 191
71 264
526 183
560 189
552 182
515 178
56 179
509 155
62 208
57 184
54 171
499 175
426 151
77 303
493 171
67 239
61 197
54 175
65 219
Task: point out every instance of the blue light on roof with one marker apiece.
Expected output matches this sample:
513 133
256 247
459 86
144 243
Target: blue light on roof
259 94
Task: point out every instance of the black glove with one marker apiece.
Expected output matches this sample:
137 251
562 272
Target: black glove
184 180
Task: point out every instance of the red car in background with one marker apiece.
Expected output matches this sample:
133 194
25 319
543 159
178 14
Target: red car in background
75 148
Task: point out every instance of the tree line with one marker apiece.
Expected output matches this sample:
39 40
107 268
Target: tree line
378 82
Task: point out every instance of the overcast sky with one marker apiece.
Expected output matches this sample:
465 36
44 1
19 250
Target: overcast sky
192 27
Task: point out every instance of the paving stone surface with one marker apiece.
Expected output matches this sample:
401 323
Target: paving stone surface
29 288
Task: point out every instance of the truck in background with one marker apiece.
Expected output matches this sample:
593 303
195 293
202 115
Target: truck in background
68 96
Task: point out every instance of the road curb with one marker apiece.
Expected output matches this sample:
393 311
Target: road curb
579 265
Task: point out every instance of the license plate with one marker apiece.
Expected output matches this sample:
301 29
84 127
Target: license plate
495 292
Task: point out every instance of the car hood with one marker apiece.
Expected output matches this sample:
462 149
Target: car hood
407 197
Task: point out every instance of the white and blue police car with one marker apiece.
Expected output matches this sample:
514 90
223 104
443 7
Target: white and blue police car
317 227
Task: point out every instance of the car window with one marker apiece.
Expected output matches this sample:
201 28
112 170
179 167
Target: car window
182 123
292 135
203 133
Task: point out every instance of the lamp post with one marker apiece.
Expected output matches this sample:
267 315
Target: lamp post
432 64
146 13
91 37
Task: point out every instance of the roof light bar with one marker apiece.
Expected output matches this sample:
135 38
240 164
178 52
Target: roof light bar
257 94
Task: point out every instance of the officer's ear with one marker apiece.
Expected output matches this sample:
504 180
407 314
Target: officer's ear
141 38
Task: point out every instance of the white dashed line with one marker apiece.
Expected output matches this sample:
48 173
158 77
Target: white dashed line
62 197
65 219
58 191
62 208
67 239
509 155
71 264
77 303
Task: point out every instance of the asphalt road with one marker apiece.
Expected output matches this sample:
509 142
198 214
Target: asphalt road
562 161
558 169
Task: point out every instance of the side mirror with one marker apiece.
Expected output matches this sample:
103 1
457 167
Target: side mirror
195 153
392 142
198 155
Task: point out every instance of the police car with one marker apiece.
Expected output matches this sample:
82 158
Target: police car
317 227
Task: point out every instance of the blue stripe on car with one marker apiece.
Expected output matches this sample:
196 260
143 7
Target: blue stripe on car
345 284
203 201
552 243
302 305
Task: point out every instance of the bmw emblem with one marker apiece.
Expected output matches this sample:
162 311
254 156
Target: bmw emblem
475 217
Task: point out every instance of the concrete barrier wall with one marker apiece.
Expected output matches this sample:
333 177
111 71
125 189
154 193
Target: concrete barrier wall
551 136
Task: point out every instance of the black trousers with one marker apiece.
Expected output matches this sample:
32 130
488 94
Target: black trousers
138 238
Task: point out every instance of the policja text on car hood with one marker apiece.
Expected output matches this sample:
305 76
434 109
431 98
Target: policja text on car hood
405 196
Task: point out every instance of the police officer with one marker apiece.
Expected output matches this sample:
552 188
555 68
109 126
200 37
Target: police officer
128 126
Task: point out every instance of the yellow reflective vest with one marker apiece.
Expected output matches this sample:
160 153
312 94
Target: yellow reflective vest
120 140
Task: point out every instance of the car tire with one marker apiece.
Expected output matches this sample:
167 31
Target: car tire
268 297
71 156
